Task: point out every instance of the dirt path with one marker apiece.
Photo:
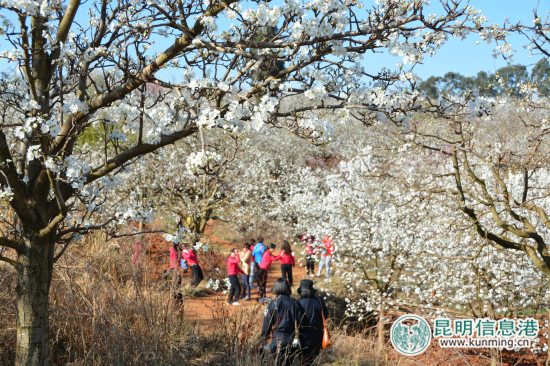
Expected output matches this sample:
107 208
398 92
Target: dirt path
201 307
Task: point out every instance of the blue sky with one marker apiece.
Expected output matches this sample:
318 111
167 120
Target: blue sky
465 57
468 58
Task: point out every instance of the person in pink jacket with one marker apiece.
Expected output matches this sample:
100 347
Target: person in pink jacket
233 271
265 266
190 256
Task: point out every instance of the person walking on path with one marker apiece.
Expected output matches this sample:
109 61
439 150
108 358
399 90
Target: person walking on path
172 273
311 324
287 262
282 315
258 253
246 259
252 264
265 266
191 258
326 257
233 271
311 252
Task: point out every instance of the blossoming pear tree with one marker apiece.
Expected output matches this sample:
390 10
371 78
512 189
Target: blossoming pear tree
376 233
493 169
399 245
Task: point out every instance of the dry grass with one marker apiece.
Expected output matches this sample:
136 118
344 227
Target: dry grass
105 311
7 313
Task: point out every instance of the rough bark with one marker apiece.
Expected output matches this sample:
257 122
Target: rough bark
548 336
381 330
34 279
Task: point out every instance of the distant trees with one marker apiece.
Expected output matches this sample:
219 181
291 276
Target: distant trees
506 80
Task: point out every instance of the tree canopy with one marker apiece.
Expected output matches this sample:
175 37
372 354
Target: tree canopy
504 81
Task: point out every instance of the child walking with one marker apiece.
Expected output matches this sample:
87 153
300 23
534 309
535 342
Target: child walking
311 252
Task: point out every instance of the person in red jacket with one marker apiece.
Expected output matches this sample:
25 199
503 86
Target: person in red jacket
287 262
191 257
172 273
265 266
326 257
233 271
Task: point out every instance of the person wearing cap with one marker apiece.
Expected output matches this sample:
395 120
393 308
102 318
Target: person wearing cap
311 324
326 257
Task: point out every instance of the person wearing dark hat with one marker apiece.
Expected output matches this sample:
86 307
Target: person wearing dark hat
281 317
311 325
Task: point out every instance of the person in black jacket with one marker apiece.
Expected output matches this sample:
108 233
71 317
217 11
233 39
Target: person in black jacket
281 316
311 324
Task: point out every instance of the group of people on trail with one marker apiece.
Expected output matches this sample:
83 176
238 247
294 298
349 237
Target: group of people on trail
181 262
287 320
254 261
313 248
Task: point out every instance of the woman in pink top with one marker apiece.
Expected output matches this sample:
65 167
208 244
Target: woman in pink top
265 266
191 257
287 262
233 271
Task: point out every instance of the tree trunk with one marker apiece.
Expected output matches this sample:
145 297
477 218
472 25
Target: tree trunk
381 330
34 268
548 334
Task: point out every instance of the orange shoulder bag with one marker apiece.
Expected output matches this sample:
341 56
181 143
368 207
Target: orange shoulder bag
326 336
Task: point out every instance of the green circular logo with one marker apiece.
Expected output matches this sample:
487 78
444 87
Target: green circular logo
410 335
